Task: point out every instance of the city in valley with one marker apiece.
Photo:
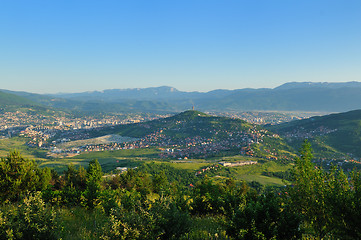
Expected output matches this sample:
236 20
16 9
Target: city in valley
64 135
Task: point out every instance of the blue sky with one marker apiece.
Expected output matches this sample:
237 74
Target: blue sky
75 45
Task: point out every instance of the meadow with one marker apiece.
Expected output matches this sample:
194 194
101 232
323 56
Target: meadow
110 160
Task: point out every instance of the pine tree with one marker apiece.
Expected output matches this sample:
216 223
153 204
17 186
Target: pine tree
94 175
19 175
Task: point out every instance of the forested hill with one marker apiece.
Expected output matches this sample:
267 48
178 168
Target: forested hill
186 124
95 105
198 134
335 132
11 99
12 102
335 120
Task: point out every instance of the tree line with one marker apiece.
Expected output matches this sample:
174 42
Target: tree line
160 202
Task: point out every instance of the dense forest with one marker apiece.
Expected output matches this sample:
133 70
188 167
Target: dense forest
160 202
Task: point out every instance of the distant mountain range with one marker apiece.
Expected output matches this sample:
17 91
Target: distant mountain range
293 96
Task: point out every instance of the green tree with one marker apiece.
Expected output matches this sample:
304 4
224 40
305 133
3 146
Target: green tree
265 217
208 197
45 177
29 219
18 175
75 183
75 177
136 180
344 201
159 182
93 180
161 219
309 194
35 219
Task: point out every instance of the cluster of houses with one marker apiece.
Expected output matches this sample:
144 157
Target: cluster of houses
185 147
204 147
302 133
353 161
38 135
213 167
20 118
38 125
49 132
266 117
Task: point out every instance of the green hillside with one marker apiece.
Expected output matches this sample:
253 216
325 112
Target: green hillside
201 133
331 135
8 100
12 102
185 124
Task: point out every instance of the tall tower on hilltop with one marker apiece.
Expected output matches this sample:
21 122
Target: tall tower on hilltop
193 108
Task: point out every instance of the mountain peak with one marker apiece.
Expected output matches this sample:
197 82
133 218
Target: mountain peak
190 114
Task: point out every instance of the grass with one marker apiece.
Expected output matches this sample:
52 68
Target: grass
95 141
237 158
144 152
95 223
247 173
19 144
115 159
91 226
251 173
109 160
107 164
264 180
60 165
193 164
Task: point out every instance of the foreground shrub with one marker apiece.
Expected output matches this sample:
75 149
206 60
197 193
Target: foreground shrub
161 219
30 219
19 175
265 217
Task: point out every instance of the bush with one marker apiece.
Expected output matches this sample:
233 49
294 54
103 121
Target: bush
265 217
30 219
157 220
19 175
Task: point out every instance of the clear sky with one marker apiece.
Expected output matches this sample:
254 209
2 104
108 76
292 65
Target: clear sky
192 45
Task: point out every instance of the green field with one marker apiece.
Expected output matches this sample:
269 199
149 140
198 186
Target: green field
95 141
110 160
143 152
192 164
19 144
254 172
247 173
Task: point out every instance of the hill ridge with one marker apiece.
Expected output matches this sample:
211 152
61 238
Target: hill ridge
306 96
339 131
